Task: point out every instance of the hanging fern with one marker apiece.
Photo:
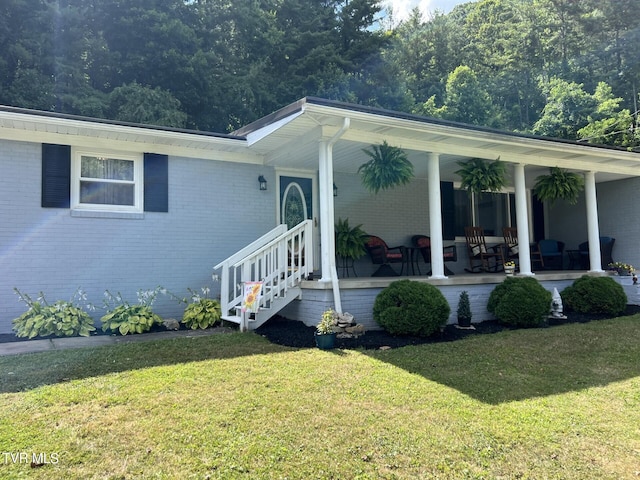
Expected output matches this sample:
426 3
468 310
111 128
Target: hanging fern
387 168
479 175
559 184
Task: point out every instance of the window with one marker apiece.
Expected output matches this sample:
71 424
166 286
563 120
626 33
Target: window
106 182
58 176
492 211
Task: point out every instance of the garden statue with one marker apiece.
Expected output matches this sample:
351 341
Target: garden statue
556 305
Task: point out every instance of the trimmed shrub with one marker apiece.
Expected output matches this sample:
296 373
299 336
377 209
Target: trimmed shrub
520 302
406 307
591 294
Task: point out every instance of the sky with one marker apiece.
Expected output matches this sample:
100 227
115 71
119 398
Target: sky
402 8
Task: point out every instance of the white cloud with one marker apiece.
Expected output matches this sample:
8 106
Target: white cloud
402 8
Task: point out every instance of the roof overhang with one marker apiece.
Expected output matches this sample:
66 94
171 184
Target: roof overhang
47 127
289 139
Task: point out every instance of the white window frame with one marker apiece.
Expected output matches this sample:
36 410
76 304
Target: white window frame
138 180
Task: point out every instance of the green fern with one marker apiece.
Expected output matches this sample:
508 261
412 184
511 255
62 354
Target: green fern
479 175
559 184
350 241
388 167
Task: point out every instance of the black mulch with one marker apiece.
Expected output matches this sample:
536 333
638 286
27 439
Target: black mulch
293 333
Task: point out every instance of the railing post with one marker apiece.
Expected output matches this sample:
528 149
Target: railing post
224 289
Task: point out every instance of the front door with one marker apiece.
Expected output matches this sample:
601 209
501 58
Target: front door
297 204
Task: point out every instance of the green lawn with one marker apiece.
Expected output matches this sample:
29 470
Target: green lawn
554 403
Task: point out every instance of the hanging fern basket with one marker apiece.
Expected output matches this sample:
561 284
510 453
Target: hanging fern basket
479 175
388 167
559 184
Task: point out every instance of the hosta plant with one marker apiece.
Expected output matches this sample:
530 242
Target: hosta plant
62 319
124 318
201 312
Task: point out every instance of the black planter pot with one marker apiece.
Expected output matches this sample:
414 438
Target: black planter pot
464 322
325 341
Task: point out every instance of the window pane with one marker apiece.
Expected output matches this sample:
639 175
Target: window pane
491 213
462 205
106 193
106 168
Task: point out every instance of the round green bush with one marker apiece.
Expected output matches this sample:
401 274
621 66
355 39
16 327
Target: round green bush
594 294
406 307
520 302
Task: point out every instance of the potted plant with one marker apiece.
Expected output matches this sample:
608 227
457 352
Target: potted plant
464 310
558 184
509 268
325 334
350 243
479 175
623 269
388 167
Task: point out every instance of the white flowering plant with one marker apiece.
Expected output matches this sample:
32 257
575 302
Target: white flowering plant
62 318
125 318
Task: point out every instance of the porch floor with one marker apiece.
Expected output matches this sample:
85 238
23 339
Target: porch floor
457 279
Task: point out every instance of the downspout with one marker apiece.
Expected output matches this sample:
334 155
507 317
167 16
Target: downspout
337 301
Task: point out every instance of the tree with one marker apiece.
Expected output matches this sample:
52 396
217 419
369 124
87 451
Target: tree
567 110
136 103
466 100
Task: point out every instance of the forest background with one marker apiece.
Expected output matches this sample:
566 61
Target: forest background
563 68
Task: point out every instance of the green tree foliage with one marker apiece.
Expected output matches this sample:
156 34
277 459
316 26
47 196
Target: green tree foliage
573 113
466 100
135 103
520 65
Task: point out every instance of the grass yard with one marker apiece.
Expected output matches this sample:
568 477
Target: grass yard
554 403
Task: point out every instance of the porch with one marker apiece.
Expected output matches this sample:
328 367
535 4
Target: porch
358 294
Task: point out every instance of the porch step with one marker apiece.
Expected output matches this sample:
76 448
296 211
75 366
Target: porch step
264 314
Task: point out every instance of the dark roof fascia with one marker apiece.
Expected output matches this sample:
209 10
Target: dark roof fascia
65 116
274 117
447 123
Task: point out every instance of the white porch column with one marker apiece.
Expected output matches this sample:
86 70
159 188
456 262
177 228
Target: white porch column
435 216
327 214
326 205
593 230
522 220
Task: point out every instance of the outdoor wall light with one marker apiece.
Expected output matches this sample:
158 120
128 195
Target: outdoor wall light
335 190
263 182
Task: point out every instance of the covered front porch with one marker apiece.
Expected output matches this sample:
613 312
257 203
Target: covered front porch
324 140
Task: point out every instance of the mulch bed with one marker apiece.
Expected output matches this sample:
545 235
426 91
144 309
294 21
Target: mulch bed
293 333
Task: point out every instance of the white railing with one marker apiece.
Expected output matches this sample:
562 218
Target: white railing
280 259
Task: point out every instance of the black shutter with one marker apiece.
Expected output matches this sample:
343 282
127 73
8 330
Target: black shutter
448 211
156 182
56 176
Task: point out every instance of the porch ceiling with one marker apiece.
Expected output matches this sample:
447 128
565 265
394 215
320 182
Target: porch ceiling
289 139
